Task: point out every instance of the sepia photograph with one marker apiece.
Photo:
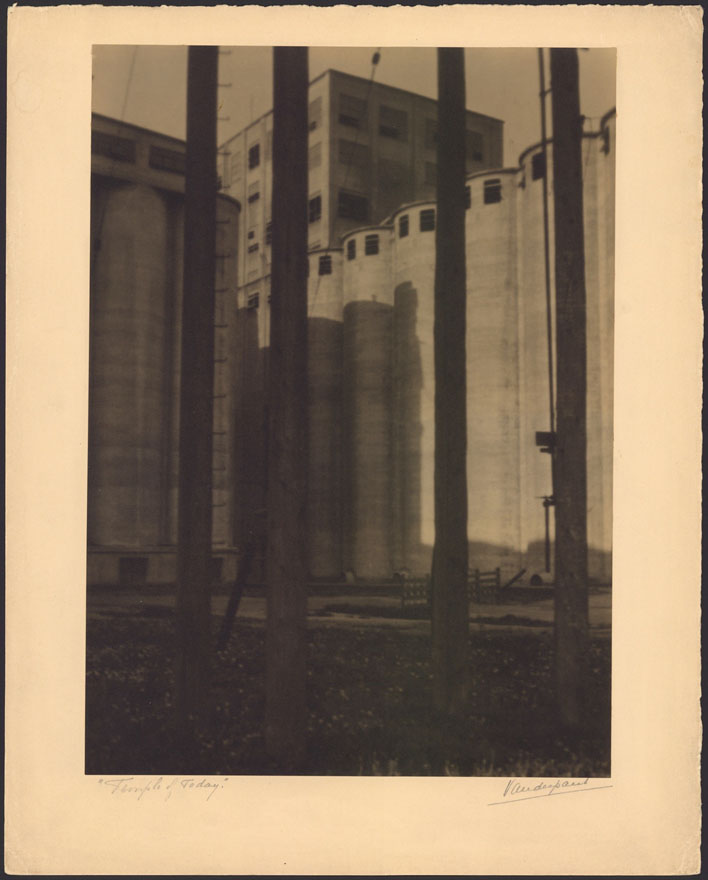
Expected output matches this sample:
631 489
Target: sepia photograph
353 480
350 427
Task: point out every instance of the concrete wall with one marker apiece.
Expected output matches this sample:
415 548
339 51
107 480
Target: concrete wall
135 349
368 308
413 390
493 478
324 403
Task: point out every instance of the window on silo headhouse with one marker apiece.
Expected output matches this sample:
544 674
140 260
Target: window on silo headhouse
427 220
351 249
325 265
254 156
403 226
492 191
371 245
314 209
538 166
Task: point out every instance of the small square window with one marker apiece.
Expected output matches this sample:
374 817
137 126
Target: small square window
538 166
314 209
492 191
252 301
427 220
253 197
252 248
325 265
371 244
351 249
251 233
254 156
403 226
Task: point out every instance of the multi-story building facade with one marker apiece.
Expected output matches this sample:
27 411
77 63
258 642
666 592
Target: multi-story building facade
372 147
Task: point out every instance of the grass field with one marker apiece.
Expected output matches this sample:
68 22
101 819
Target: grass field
369 691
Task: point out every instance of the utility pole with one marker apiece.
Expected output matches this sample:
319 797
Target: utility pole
197 381
286 672
571 574
450 607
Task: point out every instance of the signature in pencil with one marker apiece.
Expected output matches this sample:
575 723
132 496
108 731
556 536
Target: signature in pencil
516 790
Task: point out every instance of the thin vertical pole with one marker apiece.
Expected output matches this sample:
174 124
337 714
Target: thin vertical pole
286 718
549 312
546 249
450 608
197 381
571 590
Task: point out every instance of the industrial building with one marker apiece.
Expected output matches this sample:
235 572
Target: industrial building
370 348
137 236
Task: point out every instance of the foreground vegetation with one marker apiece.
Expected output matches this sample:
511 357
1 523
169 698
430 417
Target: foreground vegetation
369 700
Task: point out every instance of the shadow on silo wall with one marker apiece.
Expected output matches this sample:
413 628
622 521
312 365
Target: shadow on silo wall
407 460
324 407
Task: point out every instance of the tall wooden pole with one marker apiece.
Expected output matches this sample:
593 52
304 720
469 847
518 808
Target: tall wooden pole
450 608
571 575
286 716
197 381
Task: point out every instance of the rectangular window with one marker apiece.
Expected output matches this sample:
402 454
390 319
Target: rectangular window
112 147
371 245
254 156
474 147
315 113
253 197
314 209
427 220
403 226
167 160
492 191
468 198
354 154
314 156
252 301
269 233
325 265
351 249
393 123
538 166
352 111
352 206
251 233
431 173
252 248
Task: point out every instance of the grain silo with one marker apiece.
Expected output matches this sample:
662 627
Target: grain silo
492 371
128 442
368 312
324 343
413 401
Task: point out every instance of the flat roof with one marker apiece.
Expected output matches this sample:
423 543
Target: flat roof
141 128
352 76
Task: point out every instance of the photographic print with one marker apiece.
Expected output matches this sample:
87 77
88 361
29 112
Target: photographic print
353 480
296 620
